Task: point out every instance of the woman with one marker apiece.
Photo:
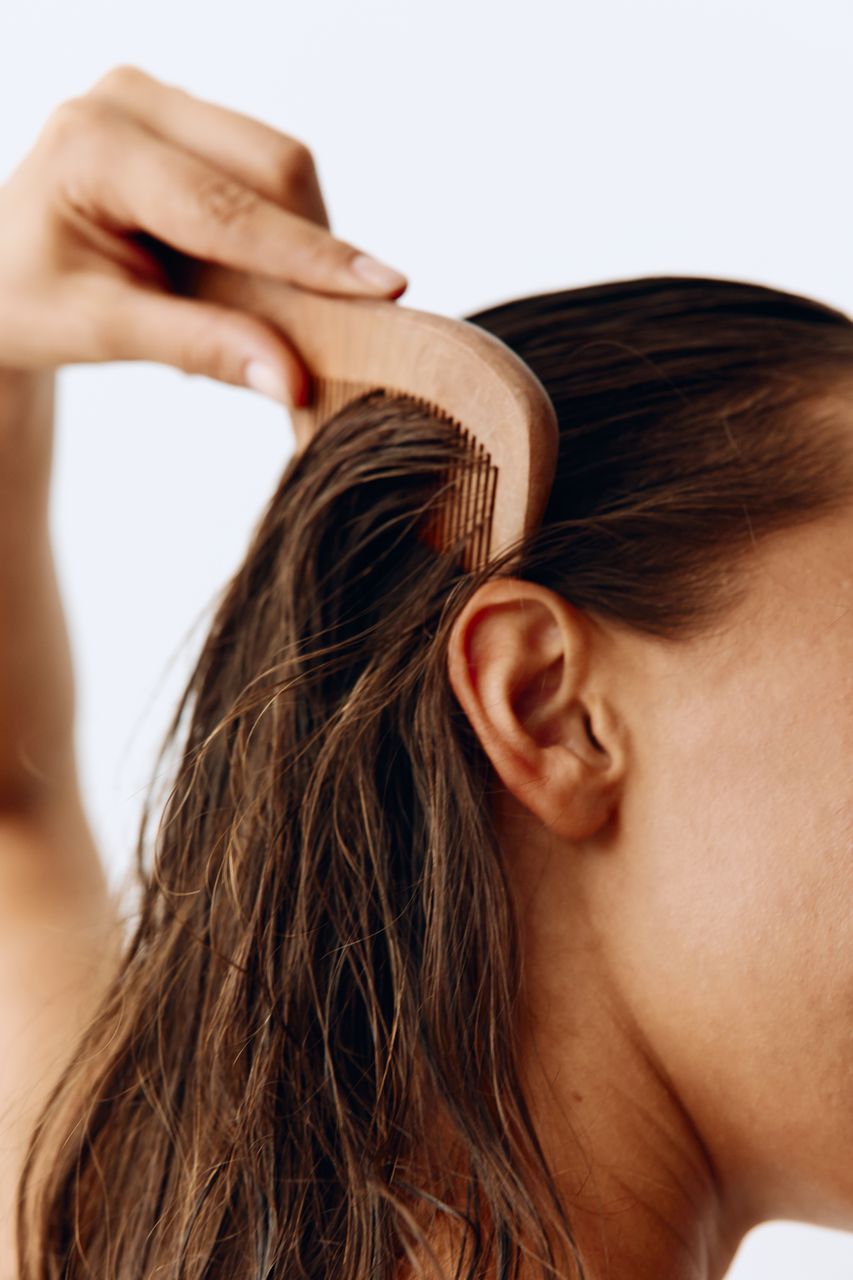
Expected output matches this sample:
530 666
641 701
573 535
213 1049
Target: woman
495 925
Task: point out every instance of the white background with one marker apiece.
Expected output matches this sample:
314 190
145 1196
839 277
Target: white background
487 149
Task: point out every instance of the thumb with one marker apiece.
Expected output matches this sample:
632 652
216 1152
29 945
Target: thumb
200 337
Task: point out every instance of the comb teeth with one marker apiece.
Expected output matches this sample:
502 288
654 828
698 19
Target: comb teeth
466 513
355 344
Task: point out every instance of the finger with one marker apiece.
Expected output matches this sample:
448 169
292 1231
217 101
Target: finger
133 177
275 164
130 323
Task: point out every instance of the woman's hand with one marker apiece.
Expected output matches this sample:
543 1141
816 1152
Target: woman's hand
127 189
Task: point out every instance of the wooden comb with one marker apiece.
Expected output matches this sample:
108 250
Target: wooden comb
458 371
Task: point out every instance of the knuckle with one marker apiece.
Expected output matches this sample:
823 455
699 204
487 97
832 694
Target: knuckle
299 159
119 78
297 169
227 201
68 118
76 119
321 256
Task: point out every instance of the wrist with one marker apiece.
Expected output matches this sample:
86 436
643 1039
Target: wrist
19 388
14 379
27 398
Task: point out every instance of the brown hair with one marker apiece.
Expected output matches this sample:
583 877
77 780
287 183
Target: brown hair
326 964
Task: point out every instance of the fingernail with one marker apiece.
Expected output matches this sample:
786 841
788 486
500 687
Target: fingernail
264 378
374 272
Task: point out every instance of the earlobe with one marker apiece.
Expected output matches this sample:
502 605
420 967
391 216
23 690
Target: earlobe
521 666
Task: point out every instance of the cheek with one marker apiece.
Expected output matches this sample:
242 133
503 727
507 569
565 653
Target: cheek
739 824
739 829
735 917
753 847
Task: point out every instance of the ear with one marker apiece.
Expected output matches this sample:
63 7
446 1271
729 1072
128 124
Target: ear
522 666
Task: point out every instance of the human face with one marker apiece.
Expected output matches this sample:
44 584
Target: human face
727 910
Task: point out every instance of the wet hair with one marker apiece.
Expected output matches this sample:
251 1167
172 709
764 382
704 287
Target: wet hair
323 972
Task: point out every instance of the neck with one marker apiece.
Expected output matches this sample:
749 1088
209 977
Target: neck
638 1185
639 1190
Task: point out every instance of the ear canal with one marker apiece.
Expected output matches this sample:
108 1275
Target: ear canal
587 722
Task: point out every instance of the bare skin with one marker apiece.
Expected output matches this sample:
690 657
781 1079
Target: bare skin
682 862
